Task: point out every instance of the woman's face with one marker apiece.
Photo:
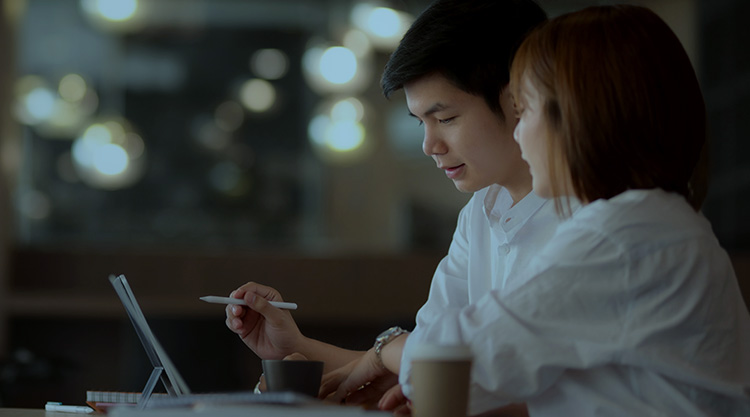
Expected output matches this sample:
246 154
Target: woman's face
532 135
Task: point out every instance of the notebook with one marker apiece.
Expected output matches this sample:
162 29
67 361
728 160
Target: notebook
178 392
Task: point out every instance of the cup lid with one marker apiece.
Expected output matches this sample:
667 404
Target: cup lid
436 351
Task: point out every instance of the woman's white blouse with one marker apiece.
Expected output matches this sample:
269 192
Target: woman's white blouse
632 309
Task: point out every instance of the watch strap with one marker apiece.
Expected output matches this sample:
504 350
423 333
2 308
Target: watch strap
383 339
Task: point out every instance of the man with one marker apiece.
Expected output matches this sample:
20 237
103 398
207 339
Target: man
453 65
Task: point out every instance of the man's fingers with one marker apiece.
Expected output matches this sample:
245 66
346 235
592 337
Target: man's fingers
261 305
343 391
255 288
262 384
329 385
371 393
296 356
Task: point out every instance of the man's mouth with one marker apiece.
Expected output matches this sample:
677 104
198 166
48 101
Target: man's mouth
454 171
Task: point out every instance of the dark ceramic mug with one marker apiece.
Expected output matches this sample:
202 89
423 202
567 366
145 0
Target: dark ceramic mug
300 376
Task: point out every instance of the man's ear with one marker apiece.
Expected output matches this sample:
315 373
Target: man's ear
508 105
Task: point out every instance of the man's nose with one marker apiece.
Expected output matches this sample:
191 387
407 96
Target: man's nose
433 144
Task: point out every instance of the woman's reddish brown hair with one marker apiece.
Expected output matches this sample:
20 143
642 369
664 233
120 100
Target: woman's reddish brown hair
622 101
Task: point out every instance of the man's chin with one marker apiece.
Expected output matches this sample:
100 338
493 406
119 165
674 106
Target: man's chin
466 187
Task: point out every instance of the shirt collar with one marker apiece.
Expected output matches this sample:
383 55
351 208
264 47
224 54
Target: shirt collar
497 208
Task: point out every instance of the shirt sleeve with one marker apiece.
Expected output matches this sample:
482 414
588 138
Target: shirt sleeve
524 340
449 288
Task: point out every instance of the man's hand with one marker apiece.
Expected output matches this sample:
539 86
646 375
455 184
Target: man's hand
270 332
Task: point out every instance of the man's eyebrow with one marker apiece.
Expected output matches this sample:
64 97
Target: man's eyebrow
434 109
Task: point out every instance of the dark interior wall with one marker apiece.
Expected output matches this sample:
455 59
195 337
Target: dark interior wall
725 79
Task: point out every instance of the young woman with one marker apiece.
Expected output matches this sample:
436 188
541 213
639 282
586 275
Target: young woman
633 308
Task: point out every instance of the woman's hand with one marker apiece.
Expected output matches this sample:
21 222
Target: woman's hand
362 381
395 401
269 331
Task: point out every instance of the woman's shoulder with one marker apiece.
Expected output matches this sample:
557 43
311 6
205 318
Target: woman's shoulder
638 217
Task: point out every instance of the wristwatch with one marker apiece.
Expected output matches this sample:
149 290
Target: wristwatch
385 338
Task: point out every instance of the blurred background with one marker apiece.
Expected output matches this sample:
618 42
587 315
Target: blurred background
195 145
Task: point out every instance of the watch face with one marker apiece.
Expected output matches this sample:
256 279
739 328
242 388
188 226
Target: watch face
385 333
385 337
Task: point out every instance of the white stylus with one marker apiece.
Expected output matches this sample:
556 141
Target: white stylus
229 300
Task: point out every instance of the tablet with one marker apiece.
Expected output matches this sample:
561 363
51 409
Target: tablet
164 369
179 394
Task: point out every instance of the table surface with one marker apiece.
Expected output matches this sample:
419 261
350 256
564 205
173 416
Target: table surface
33 412
227 411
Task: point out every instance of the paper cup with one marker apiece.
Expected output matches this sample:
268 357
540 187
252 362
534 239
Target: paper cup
440 380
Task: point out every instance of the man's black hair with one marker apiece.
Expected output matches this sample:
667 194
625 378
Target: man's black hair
470 42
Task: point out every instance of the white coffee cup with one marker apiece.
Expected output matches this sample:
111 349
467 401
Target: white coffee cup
440 380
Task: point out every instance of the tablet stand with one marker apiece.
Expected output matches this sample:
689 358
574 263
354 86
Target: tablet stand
163 370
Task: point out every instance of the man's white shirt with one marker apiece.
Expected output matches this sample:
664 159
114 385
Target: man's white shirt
494 240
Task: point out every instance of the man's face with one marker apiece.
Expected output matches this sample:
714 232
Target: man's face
465 137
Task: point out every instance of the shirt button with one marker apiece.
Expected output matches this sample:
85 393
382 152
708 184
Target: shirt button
507 220
504 249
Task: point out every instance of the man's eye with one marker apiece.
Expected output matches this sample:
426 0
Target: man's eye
446 121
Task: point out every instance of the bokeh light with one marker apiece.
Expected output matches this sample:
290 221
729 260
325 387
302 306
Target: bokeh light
72 88
115 15
109 154
384 26
338 65
348 109
59 112
110 159
356 41
337 132
117 10
269 64
344 135
335 69
229 116
384 22
257 95
40 103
